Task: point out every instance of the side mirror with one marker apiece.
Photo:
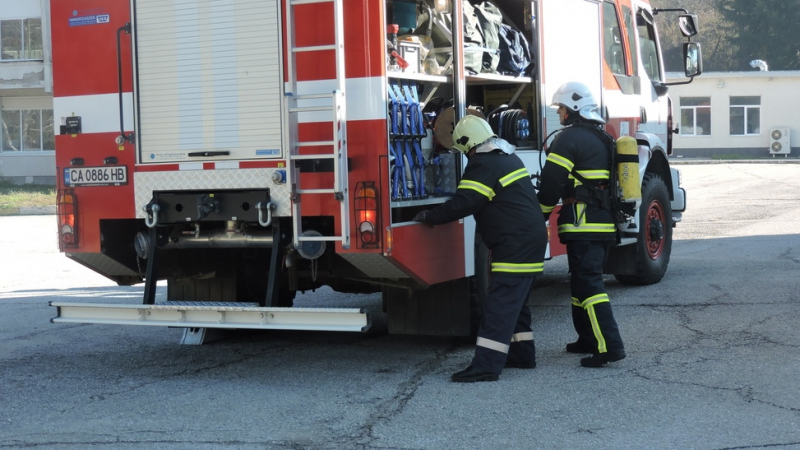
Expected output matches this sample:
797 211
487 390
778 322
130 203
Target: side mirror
692 59
660 88
688 24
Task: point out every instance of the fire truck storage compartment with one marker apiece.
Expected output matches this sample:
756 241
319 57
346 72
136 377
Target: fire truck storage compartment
422 171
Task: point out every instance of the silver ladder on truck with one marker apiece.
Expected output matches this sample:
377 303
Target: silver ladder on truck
298 102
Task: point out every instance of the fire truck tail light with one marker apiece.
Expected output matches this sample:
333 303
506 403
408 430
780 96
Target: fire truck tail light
67 211
366 212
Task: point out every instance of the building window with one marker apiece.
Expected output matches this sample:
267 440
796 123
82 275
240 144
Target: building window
26 130
20 39
695 116
745 115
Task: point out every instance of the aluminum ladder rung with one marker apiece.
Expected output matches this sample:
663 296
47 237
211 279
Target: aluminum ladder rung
328 95
314 48
317 191
323 156
300 109
308 2
199 316
312 144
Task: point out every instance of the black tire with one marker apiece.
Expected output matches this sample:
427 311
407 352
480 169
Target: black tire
654 243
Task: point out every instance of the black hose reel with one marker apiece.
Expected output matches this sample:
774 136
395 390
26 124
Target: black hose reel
511 124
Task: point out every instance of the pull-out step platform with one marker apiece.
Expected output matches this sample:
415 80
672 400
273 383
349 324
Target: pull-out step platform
226 315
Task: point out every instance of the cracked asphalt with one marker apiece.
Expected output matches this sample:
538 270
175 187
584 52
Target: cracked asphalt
713 356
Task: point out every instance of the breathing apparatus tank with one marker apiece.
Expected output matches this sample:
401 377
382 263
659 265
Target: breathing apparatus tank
627 159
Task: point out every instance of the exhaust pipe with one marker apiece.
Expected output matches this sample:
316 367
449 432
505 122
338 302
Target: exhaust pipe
231 237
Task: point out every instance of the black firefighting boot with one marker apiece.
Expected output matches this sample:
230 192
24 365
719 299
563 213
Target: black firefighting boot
600 359
472 374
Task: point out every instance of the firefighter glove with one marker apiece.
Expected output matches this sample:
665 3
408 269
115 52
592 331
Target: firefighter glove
423 217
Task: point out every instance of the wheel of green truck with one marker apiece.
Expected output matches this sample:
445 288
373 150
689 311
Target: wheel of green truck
654 244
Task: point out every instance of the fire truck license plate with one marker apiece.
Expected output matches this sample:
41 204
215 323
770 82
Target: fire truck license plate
96 176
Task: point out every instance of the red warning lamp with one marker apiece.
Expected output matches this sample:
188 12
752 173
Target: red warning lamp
67 211
366 208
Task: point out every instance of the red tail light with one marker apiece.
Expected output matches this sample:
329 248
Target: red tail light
366 208
67 210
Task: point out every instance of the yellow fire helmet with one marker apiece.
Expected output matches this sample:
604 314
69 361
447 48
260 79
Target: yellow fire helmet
470 132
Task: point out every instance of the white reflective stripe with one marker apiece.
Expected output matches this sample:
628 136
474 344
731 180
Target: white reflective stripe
368 93
519 337
99 113
493 345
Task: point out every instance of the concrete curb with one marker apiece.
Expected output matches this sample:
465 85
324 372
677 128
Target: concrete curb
678 161
37 210
30 211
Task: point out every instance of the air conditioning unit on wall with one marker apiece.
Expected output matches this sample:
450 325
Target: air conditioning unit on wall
779 141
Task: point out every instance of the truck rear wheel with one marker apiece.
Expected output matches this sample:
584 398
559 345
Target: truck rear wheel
654 243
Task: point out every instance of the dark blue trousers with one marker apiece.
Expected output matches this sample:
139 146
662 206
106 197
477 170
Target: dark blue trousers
505 332
591 309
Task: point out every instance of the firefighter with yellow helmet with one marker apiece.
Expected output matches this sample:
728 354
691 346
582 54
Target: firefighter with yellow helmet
496 189
577 171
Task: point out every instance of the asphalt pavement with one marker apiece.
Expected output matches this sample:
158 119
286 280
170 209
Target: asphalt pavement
713 356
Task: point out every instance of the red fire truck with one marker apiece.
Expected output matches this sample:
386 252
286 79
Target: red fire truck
244 150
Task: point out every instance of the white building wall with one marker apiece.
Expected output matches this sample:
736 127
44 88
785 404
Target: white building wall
20 9
780 97
27 85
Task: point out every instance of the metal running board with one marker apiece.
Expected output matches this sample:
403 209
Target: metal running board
214 315
334 102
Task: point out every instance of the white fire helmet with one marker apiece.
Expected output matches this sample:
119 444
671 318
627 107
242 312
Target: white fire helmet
576 96
471 131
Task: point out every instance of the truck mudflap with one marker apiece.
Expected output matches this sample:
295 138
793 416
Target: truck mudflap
227 315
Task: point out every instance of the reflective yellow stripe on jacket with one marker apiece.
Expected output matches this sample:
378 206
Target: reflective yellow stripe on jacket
489 192
514 176
561 161
592 175
582 226
478 187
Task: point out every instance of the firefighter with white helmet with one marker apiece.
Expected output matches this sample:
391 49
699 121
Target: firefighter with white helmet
496 189
577 172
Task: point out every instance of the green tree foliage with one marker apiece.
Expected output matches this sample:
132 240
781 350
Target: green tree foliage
763 29
713 34
734 32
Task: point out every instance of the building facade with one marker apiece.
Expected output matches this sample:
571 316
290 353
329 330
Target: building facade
27 138
737 114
